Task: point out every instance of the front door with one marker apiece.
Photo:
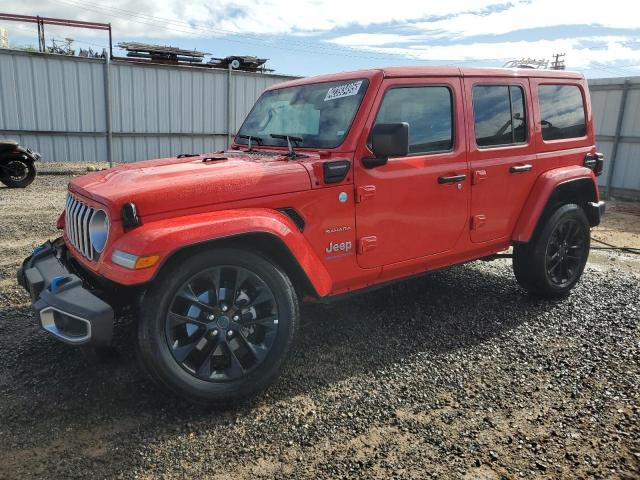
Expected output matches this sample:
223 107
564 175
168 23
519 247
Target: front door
417 205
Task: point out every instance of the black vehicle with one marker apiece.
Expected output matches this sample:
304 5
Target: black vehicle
17 168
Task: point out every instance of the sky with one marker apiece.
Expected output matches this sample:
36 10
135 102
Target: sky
599 38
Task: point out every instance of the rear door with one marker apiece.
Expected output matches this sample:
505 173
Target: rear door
416 205
502 153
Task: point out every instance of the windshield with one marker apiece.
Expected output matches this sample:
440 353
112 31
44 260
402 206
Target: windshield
319 114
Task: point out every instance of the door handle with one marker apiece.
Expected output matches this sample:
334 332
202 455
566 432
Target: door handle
451 179
520 168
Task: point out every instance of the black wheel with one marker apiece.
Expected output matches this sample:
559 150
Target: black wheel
553 261
18 173
217 328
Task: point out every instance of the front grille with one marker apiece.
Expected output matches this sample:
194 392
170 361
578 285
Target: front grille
77 215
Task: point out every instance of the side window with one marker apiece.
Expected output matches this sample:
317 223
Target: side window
499 115
561 112
427 110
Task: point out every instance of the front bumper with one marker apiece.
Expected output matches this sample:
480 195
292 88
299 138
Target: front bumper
66 309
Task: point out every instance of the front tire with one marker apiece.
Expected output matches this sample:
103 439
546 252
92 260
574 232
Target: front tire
553 261
217 328
19 174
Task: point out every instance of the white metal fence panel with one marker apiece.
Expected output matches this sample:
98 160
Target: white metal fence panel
616 111
57 105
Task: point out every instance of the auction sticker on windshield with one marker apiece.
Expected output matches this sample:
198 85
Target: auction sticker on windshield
346 90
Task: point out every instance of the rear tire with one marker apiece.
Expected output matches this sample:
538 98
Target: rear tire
553 261
22 175
217 328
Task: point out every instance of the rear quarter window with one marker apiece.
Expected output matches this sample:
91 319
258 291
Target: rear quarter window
499 115
561 112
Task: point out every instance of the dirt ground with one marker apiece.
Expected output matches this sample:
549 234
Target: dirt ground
621 227
459 374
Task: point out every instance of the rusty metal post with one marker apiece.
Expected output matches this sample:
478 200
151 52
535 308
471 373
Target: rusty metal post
42 46
229 107
617 135
39 36
110 44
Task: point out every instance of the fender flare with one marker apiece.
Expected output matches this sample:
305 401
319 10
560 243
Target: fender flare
169 236
543 188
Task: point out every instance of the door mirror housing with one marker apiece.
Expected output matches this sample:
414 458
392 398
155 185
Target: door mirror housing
388 140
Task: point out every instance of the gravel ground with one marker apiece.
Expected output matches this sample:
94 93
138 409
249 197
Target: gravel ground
459 374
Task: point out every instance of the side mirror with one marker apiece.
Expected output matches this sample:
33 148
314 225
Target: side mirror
388 140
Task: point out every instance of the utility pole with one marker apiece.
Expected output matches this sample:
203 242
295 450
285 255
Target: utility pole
558 62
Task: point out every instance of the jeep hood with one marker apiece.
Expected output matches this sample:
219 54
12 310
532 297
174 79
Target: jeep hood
170 184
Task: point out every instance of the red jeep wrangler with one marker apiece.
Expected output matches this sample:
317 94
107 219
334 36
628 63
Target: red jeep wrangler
334 184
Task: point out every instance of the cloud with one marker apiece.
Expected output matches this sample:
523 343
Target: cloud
373 39
443 31
617 49
534 14
479 35
172 18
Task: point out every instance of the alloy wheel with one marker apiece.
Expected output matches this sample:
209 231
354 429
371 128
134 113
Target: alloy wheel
565 252
221 323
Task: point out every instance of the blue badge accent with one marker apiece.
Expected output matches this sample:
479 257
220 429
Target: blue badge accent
343 197
53 285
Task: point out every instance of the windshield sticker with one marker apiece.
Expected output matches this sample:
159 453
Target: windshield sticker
346 90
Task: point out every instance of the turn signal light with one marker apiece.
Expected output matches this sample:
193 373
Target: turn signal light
146 262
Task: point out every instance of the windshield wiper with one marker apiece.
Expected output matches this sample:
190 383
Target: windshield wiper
289 138
250 138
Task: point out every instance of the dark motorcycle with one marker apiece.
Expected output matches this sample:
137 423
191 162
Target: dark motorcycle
16 164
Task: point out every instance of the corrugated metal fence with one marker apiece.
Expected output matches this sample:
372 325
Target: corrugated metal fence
616 111
57 106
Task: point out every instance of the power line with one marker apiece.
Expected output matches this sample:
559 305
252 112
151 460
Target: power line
184 27
198 25
610 69
593 66
162 22
619 68
84 42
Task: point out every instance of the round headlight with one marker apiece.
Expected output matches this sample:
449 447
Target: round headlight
99 230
